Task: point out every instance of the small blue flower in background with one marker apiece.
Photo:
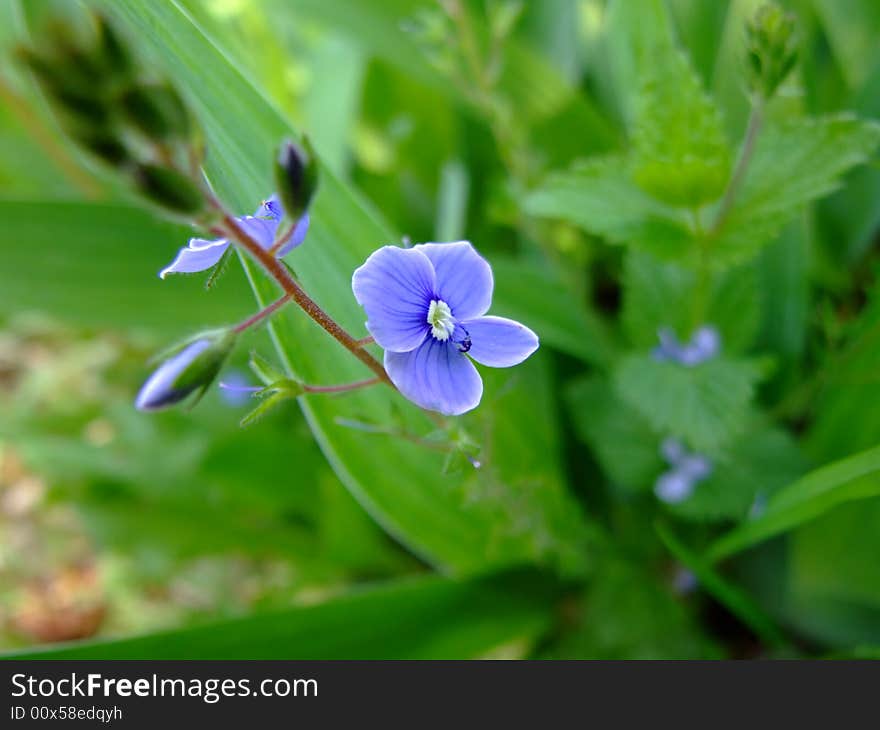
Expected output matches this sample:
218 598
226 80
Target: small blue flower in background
688 469
704 345
201 254
425 307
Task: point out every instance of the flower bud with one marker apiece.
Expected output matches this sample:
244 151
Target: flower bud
296 176
169 189
156 110
104 145
112 49
771 49
193 367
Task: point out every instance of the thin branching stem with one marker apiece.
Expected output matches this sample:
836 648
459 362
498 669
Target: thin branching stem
262 314
278 271
756 121
345 387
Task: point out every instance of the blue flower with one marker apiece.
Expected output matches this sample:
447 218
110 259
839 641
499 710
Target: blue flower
201 254
704 345
425 307
194 366
678 483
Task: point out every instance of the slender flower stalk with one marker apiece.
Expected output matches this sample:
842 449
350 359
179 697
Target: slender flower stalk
756 121
262 314
344 388
279 272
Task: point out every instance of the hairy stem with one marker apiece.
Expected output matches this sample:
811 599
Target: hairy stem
279 272
262 314
341 388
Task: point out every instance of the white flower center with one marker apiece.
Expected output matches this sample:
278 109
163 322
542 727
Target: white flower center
441 320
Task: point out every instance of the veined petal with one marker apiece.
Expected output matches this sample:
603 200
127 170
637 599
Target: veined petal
201 254
395 286
464 278
262 230
499 342
297 237
436 376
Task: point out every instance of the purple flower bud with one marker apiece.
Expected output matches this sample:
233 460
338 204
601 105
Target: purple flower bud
296 175
193 367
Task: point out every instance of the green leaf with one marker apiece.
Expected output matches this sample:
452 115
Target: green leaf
705 405
629 613
852 28
805 499
564 321
848 380
662 294
452 522
754 467
52 252
600 197
424 618
680 154
794 163
739 603
624 443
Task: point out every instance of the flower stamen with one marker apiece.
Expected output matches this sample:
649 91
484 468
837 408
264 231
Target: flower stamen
441 320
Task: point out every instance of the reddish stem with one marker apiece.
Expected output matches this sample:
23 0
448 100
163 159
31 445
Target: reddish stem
262 314
279 272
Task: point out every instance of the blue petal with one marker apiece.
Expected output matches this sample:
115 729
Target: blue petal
297 237
436 376
464 278
499 342
199 255
262 230
395 286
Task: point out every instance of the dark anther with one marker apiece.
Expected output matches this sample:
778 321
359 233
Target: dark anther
465 344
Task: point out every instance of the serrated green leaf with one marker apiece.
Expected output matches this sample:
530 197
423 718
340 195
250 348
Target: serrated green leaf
600 197
794 163
805 499
680 154
705 405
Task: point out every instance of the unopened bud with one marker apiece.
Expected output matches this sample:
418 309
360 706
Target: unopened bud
192 368
112 49
104 145
296 177
169 189
157 110
772 49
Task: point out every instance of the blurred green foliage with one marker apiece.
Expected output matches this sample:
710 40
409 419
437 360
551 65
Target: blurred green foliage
607 158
